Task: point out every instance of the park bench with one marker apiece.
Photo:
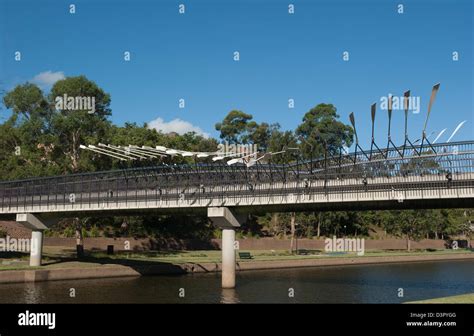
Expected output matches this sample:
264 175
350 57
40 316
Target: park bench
245 255
303 252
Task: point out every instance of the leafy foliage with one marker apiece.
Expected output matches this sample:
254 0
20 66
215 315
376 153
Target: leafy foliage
48 141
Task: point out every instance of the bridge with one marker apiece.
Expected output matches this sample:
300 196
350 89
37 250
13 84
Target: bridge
438 176
415 175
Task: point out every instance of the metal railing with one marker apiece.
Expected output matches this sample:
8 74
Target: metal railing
441 166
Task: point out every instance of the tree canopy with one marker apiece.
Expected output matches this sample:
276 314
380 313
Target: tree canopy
38 139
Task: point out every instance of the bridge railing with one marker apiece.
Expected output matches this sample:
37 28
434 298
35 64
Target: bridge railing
448 165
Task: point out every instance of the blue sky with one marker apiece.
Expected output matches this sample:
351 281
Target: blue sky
282 56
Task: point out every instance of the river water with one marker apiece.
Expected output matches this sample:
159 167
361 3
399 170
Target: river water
341 284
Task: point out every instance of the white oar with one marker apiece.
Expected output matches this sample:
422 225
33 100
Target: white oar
439 135
241 159
456 130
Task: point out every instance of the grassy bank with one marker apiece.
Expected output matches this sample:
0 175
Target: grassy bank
258 255
57 257
465 298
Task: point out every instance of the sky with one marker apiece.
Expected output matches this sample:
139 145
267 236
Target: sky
282 56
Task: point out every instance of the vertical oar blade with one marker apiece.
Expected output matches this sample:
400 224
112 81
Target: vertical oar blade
406 106
352 119
434 91
389 114
373 108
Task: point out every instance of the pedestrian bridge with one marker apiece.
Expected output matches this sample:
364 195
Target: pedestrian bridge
441 175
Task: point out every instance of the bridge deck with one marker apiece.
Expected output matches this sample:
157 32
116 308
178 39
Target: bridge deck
352 180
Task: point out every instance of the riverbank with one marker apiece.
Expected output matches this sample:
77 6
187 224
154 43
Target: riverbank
123 265
465 298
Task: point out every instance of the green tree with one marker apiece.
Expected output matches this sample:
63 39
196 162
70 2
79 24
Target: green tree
76 127
27 101
281 140
24 136
234 127
412 224
319 127
239 127
260 134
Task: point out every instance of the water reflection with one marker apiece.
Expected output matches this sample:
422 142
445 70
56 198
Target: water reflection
31 293
339 284
229 296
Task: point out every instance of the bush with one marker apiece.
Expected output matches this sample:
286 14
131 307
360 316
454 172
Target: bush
239 235
69 232
217 233
94 232
3 233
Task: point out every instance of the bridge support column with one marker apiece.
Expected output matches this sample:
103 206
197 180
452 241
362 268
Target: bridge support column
223 218
36 248
36 244
228 258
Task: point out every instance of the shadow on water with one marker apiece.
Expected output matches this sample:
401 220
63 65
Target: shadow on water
144 267
353 284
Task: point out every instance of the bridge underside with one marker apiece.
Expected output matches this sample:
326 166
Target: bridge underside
266 208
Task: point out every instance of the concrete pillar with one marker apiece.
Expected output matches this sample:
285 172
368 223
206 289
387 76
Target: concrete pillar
36 247
37 224
223 218
228 258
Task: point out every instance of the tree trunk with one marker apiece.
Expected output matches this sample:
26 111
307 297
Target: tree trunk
319 225
292 223
274 223
74 156
79 238
408 243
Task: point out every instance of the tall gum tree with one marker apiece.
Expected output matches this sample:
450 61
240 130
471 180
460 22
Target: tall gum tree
323 119
76 127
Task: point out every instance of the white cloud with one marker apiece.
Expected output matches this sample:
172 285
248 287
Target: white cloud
176 125
48 78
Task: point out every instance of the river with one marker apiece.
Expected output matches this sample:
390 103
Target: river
341 284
